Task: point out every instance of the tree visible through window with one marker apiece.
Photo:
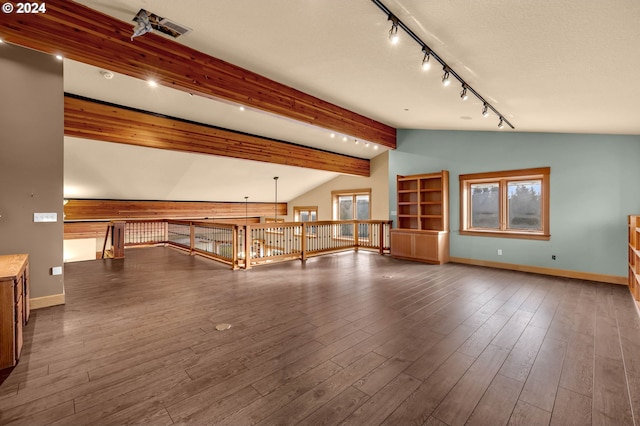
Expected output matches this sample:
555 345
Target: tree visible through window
351 205
512 203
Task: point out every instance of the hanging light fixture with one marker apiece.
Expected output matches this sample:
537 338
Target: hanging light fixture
246 210
430 56
275 204
393 32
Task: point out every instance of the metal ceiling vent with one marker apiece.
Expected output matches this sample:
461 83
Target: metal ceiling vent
145 19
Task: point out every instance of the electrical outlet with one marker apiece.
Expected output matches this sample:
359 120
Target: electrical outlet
499 252
553 257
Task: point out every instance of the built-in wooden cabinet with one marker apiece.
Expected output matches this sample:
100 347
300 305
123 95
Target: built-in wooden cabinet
14 306
422 229
634 256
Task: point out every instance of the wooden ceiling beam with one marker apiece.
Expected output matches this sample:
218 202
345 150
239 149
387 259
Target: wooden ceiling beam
86 35
105 122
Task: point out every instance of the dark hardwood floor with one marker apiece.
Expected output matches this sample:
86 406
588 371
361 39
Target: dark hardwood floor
350 338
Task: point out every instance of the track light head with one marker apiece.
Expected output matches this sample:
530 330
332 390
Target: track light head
485 111
464 95
393 32
501 123
445 78
425 61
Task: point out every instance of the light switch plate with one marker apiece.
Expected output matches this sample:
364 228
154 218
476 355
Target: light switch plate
56 270
45 217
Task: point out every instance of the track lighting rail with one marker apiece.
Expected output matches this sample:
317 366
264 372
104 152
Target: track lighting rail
397 23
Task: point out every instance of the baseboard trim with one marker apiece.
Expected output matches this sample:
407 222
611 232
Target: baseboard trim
46 301
611 279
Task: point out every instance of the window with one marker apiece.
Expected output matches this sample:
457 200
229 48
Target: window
351 205
511 203
305 214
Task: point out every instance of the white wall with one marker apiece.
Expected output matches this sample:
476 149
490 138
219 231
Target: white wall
378 181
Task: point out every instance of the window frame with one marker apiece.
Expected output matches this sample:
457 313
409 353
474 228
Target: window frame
309 209
503 178
353 193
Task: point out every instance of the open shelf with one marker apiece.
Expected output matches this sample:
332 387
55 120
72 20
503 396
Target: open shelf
422 231
634 256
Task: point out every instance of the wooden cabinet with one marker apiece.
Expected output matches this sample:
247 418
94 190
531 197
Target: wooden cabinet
634 256
14 306
422 231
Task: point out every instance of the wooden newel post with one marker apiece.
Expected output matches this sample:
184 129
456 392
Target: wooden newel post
356 236
192 238
303 242
117 239
247 247
234 238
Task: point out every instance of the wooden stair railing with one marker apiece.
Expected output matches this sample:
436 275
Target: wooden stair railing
106 237
117 238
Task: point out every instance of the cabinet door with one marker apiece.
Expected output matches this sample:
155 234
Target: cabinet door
18 327
426 247
402 244
7 324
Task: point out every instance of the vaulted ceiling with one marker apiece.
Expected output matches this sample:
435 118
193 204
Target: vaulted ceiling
565 66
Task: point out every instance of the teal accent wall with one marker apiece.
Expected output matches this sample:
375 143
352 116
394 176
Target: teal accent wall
595 184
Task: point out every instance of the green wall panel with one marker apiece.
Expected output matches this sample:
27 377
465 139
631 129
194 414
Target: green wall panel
595 184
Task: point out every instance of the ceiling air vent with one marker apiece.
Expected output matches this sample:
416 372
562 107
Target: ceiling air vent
158 23
172 28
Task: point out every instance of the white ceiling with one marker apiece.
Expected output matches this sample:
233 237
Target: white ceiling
565 66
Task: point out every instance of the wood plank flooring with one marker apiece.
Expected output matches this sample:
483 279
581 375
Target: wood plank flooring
349 338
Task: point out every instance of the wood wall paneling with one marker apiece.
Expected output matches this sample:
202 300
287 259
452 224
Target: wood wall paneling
99 121
91 37
80 230
106 210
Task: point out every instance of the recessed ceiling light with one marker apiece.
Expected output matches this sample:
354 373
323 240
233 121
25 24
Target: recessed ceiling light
344 139
241 108
375 147
59 57
1 41
332 135
152 83
107 74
